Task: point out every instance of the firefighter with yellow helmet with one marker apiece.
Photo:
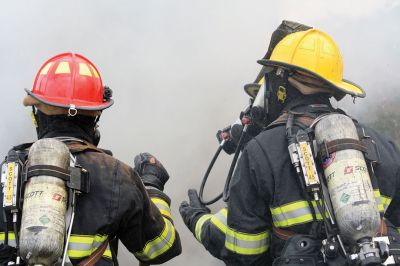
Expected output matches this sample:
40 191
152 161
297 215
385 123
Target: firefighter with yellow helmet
99 199
314 187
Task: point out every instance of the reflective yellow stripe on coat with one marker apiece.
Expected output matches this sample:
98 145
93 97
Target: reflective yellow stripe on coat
163 206
235 241
11 238
299 212
160 244
382 201
81 246
294 213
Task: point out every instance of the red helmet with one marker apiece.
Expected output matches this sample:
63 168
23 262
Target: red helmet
70 80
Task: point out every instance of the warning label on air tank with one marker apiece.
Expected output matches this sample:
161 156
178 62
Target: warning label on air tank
349 182
44 205
352 197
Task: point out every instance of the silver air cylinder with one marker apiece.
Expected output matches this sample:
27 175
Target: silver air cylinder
44 206
348 181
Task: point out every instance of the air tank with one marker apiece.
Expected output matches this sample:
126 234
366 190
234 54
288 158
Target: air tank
348 181
44 206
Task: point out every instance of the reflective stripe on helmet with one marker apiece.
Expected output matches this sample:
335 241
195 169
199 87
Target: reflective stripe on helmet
160 244
162 206
81 246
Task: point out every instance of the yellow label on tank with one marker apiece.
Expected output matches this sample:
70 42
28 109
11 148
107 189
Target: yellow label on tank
10 183
308 163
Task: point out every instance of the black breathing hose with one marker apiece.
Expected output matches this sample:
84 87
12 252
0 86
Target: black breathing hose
233 164
225 194
203 182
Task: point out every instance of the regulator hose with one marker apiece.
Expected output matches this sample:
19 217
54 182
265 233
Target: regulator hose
233 164
203 182
225 194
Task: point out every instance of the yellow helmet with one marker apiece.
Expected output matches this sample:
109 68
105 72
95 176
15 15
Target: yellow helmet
316 53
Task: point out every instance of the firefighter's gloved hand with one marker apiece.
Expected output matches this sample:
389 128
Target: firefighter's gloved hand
192 211
151 171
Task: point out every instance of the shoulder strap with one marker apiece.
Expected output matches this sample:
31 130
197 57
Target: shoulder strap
23 146
77 147
301 120
74 145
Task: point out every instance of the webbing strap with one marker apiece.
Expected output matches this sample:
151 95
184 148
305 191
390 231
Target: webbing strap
282 234
303 121
81 147
95 256
49 170
341 144
286 234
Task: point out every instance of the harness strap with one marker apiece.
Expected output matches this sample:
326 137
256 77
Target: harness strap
302 120
74 145
383 230
283 234
96 255
286 234
77 147
49 170
341 144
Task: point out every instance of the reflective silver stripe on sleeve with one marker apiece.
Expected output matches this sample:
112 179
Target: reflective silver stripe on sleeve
160 244
239 242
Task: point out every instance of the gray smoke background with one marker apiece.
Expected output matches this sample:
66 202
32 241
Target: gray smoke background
177 69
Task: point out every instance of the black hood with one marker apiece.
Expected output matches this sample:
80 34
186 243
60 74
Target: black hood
293 97
79 126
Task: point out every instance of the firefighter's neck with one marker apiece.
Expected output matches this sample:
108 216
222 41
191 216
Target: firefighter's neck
50 126
304 100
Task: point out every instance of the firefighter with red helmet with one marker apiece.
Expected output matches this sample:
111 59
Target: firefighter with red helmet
123 203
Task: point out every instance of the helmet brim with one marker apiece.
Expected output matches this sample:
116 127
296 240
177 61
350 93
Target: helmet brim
79 105
341 87
252 89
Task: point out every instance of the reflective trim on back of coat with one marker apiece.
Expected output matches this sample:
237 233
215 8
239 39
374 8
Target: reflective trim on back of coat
80 246
299 212
11 238
238 242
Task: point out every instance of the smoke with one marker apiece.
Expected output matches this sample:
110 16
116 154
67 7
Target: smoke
177 69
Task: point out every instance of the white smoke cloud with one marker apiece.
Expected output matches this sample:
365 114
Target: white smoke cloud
315 10
177 69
